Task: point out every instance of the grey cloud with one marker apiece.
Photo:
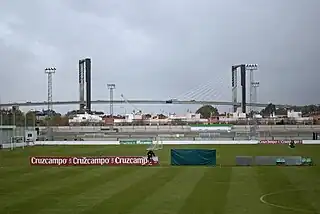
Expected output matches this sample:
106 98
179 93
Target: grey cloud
158 49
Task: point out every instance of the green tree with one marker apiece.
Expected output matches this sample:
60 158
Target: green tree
12 116
306 110
281 111
73 113
269 109
59 120
31 119
310 110
207 111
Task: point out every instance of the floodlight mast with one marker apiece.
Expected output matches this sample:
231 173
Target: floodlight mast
111 87
253 99
251 68
255 86
49 72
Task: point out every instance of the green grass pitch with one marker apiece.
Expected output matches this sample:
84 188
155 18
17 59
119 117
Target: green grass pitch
227 189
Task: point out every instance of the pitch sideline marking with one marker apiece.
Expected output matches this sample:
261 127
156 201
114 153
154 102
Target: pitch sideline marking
264 201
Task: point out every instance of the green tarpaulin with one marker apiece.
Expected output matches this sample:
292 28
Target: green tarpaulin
193 157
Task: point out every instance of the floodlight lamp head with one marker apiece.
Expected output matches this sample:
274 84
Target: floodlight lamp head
256 84
50 70
111 86
251 66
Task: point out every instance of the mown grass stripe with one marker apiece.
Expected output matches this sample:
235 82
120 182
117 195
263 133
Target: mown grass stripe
20 152
34 179
125 200
310 189
34 191
18 172
170 197
42 196
244 193
28 173
209 195
272 180
95 195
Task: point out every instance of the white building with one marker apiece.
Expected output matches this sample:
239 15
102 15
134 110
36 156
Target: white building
238 115
257 116
85 118
297 116
294 114
129 118
189 117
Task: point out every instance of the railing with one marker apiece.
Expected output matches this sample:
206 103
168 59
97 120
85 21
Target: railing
70 138
243 134
175 127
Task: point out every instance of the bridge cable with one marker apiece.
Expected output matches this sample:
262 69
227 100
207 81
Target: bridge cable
207 92
213 94
195 90
192 90
195 95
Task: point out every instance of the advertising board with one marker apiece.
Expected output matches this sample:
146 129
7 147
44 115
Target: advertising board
280 141
211 127
274 161
92 161
131 142
135 142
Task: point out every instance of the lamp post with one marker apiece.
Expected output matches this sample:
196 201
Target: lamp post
25 121
13 111
34 119
123 109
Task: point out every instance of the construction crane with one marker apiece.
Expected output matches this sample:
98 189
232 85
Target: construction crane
136 110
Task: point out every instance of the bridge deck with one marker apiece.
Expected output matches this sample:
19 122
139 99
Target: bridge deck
142 102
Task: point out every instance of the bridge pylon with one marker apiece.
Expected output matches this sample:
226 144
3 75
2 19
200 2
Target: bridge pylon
234 84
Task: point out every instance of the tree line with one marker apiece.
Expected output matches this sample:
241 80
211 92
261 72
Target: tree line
208 111
31 118
16 117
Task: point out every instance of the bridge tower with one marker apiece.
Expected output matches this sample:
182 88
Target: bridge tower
85 84
234 83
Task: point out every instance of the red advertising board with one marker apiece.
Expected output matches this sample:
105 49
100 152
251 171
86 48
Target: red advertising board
279 141
92 161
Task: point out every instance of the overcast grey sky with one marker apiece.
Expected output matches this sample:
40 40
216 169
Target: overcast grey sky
159 49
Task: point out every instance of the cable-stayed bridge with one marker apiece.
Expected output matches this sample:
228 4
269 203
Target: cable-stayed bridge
143 102
205 94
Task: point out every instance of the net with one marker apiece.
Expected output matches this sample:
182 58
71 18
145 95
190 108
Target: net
156 144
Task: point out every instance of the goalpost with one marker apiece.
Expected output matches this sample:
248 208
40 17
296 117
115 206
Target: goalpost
16 139
156 144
